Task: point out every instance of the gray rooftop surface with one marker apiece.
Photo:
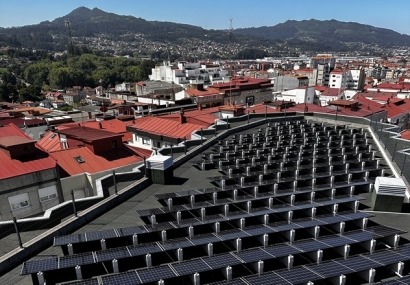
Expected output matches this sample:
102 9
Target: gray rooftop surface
186 177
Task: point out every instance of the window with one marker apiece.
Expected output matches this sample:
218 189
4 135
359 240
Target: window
47 194
79 159
48 197
146 141
19 201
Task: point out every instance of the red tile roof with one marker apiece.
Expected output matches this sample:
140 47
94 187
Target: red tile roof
14 140
86 134
49 142
381 96
20 122
10 130
141 152
14 167
92 163
114 126
310 108
405 134
243 81
165 127
333 92
202 117
206 92
391 109
394 86
10 134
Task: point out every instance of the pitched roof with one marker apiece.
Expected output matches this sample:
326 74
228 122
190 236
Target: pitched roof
202 117
14 140
394 86
11 130
165 127
333 92
81 159
86 134
114 126
405 134
49 142
310 108
206 92
11 135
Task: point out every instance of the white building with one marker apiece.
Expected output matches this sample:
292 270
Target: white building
299 95
184 73
347 79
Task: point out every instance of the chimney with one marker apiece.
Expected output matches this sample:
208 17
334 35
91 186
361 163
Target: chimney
182 118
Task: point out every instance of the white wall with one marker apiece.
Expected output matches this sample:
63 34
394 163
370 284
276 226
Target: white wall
305 95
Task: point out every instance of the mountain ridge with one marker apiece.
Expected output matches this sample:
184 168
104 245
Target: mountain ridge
96 27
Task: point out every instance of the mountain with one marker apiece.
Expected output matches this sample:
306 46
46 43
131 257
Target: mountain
117 34
331 33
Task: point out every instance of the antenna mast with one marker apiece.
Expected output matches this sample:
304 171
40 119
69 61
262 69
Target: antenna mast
68 25
230 29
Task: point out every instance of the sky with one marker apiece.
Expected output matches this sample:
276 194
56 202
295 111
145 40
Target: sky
215 14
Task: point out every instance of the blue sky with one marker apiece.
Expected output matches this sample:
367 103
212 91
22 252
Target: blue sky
215 14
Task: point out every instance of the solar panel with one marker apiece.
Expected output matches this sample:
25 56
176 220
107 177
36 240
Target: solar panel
155 273
129 231
232 234
191 266
66 239
149 212
204 239
384 231
91 281
386 257
74 260
404 250
126 278
335 240
298 275
330 269
221 260
34 266
395 282
253 255
286 227
358 263
143 249
281 250
360 235
236 281
176 243
266 279
309 245
258 230
355 216
331 219
112 253
308 223
100 235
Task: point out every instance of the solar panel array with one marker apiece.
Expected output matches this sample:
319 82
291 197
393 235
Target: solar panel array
283 211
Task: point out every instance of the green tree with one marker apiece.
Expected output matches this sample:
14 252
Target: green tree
37 73
59 77
30 93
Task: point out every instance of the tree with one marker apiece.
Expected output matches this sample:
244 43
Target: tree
30 93
37 73
61 77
